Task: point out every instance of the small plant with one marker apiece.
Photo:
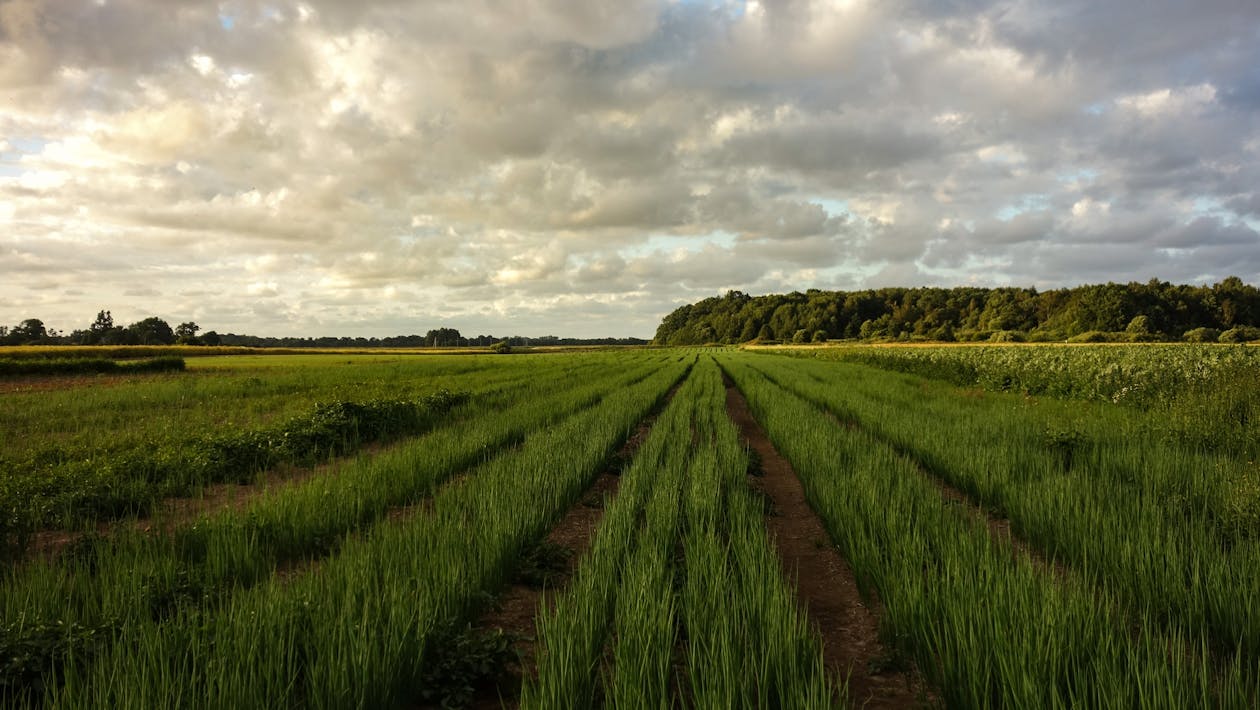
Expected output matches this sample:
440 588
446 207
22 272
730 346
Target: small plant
460 660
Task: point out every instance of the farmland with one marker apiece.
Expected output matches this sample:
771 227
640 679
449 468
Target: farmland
1022 526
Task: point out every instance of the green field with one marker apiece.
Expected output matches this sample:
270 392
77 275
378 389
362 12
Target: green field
1025 526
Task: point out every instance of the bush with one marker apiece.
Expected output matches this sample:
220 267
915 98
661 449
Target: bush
1240 334
1201 335
1091 336
1008 336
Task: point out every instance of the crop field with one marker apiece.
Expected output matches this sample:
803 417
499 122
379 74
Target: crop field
986 527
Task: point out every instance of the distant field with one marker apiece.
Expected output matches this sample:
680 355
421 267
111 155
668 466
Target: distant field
972 527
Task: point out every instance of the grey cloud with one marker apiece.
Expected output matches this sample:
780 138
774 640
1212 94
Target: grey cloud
503 164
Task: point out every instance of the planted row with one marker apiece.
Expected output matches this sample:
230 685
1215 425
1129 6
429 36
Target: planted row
12 367
356 632
113 583
987 629
1172 532
67 494
681 559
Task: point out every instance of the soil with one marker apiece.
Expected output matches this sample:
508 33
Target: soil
825 584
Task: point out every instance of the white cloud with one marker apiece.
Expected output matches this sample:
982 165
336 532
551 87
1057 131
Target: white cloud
376 167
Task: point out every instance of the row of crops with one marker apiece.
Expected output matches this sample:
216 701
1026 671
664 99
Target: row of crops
1130 581
1208 394
1145 594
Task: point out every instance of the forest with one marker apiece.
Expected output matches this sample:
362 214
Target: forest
1228 311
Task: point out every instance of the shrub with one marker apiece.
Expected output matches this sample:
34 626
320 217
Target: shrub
1201 335
1090 336
1008 336
1240 334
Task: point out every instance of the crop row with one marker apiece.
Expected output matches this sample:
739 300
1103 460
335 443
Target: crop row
10 367
681 573
987 629
1172 533
116 583
74 490
1208 395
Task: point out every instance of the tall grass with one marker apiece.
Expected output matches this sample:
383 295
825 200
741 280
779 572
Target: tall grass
953 594
115 583
634 596
356 631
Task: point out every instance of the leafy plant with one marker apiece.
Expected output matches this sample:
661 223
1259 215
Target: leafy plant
459 660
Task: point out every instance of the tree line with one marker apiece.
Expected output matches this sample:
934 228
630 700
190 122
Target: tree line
155 331
1156 310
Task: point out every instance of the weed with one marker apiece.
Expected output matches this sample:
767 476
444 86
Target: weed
461 660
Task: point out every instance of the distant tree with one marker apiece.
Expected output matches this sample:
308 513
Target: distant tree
152 331
442 338
764 334
28 331
800 336
820 336
211 338
186 333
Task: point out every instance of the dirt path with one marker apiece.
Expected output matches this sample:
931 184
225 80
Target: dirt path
825 584
516 608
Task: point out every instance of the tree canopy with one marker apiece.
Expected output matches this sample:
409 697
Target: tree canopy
1155 310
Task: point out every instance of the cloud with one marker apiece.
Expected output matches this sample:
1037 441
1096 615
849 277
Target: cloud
379 167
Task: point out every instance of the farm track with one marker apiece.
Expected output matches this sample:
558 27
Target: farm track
824 582
516 607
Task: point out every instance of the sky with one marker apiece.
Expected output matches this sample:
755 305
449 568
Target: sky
581 168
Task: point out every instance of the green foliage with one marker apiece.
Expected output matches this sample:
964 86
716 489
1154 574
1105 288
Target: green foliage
1201 335
80 366
1133 312
1240 334
460 660
47 490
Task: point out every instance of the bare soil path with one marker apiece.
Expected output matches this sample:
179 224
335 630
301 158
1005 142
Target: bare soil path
825 584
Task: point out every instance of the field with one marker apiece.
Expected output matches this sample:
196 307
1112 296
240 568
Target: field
985 527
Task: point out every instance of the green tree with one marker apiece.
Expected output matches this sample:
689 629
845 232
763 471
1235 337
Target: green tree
28 331
152 331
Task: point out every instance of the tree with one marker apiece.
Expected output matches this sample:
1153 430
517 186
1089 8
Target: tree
442 337
152 331
28 331
186 333
104 321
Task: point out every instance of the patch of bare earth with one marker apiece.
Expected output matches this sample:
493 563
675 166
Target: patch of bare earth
825 584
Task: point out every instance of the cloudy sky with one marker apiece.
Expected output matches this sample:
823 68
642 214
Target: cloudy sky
582 167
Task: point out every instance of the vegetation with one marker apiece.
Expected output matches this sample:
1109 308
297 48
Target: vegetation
1133 312
1206 396
80 366
1032 533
